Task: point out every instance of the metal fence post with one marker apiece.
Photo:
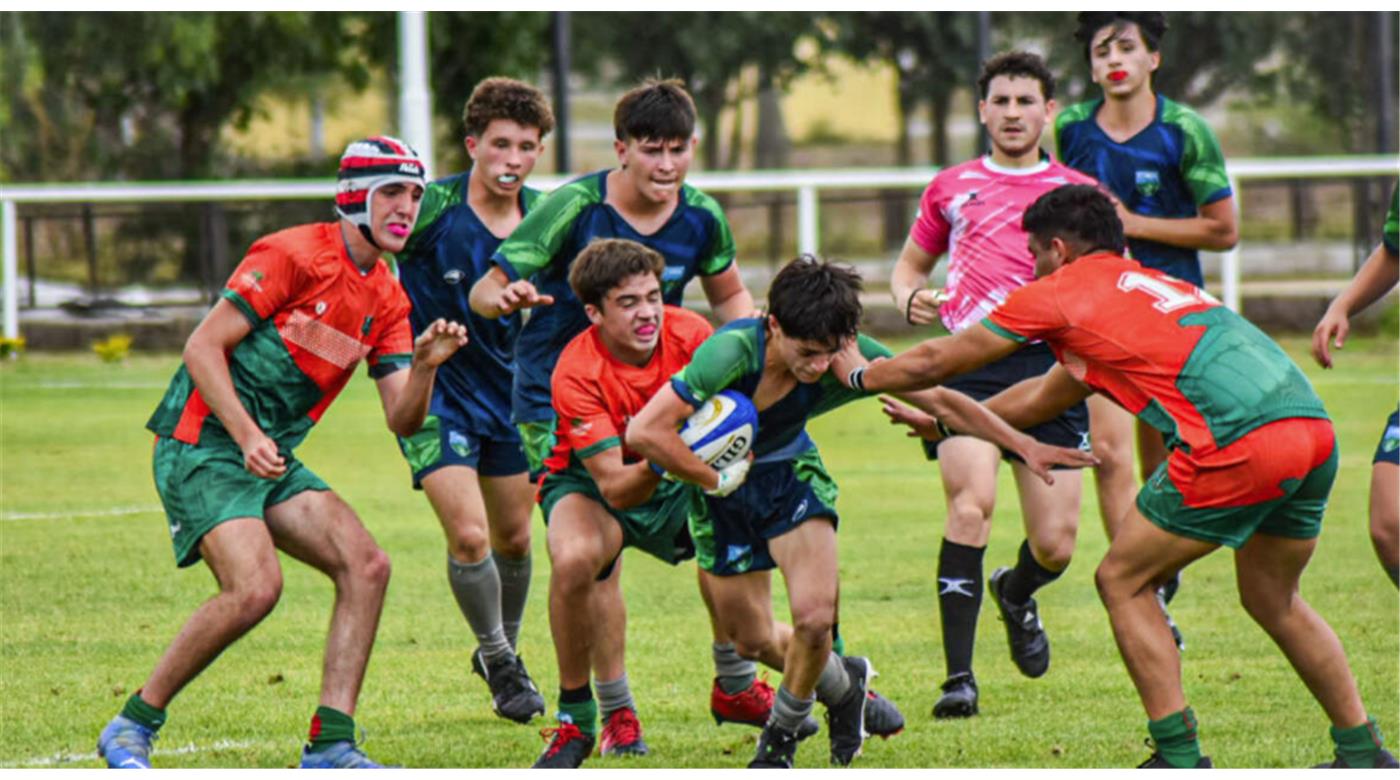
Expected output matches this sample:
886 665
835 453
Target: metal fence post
11 259
1230 263
808 220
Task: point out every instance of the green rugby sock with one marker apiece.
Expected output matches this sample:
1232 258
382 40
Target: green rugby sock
329 726
580 708
1175 737
138 710
1358 746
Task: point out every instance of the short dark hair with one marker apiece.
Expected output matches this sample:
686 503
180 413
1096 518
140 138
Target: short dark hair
815 300
499 97
608 262
1077 214
1153 25
1022 64
658 110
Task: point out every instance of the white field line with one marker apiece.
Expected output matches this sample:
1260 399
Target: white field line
122 511
58 759
76 385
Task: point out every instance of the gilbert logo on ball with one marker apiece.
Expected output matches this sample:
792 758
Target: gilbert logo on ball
722 430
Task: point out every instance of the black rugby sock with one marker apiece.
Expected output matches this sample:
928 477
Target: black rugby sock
959 601
1026 578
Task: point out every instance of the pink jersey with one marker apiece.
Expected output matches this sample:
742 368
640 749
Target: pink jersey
973 212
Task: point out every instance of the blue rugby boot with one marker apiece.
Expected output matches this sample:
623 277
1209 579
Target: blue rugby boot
126 744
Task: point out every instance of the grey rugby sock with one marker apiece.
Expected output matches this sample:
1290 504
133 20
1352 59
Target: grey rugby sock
834 681
477 587
789 711
614 695
515 588
733 671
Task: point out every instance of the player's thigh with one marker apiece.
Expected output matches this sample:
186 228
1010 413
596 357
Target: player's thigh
1050 512
1143 555
968 469
1385 503
806 555
319 529
743 603
1110 429
582 534
455 494
510 503
1267 570
241 554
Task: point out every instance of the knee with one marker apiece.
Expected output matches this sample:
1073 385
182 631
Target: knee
1112 586
468 542
514 542
571 571
811 626
968 515
254 600
1385 530
371 566
1054 553
751 644
1266 606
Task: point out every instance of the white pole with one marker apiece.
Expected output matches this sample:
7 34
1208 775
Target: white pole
1230 263
415 106
808 220
10 225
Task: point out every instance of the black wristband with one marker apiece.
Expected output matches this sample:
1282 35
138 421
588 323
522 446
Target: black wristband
909 306
943 429
856 379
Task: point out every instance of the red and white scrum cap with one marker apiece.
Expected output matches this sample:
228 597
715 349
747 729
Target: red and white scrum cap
367 165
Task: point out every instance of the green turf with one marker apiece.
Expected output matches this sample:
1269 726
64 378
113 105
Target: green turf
89 596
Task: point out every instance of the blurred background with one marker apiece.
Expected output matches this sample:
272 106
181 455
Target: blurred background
224 97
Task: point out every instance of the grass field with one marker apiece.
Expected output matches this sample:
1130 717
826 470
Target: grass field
89 596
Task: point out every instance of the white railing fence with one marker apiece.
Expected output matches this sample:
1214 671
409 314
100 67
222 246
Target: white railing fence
807 184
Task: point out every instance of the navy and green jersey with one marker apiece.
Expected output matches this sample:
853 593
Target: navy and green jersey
1169 169
449 250
733 358
694 241
1390 235
314 316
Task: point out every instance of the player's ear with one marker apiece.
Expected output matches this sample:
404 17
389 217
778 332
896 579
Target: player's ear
595 313
470 143
620 148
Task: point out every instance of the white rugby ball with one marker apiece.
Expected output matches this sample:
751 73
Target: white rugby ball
722 430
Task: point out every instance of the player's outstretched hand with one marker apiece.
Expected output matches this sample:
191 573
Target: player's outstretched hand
1331 331
521 294
261 459
438 342
1041 457
921 424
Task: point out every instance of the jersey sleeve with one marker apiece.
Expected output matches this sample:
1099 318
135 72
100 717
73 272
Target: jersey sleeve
931 228
1030 313
717 364
834 392
1202 162
582 410
391 348
1390 235
533 244
263 282
720 253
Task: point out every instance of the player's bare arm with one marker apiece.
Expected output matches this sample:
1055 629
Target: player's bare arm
934 361
206 357
1033 401
623 485
909 285
729 298
1214 228
494 295
407 394
1377 276
653 434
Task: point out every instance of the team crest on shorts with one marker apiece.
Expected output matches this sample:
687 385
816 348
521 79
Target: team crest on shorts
459 444
1148 183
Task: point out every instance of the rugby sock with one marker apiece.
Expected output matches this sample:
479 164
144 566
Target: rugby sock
834 681
578 707
1359 745
1394 572
959 601
1175 738
614 695
477 587
515 588
1026 578
329 726
838 644
138 710
733 672
789 711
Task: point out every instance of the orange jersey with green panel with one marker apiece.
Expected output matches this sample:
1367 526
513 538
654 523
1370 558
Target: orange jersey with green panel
315 316
595 395
1162 348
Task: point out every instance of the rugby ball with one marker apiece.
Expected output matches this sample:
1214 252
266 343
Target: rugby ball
722 430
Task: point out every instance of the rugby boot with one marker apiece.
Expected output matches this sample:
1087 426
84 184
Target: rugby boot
882 718
777 749
959 699
845 720
513 694
752 706
1155 761
1384 760
566 749
622 734
1030 648
338 755
126 744
1162 599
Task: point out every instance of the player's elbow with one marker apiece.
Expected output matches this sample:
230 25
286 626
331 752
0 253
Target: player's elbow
639 440
1225 236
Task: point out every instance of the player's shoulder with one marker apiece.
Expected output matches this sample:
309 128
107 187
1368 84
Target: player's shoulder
695 198
587 188
1075 113
1062 174
958 175
581 356
312 246
1183 116
684 325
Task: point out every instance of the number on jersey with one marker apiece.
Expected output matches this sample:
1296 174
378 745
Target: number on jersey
1169 297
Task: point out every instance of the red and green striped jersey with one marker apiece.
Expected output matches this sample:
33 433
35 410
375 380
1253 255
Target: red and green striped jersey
1163 349
315 315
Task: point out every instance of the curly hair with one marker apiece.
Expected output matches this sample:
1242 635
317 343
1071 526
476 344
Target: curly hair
499 97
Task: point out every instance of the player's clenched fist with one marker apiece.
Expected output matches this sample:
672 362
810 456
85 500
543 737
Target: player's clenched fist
438 342
261 458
